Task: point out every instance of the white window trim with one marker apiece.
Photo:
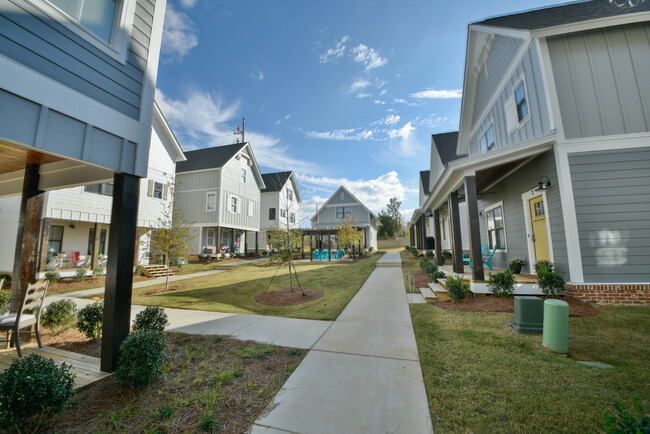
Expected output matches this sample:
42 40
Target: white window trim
532 258
207 237
251 210
244 175
483 133
503 215
521 79
230 197
207 194
122 27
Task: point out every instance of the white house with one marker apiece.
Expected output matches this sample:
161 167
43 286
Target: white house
342 205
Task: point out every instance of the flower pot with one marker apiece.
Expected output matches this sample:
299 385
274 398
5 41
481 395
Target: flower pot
516 268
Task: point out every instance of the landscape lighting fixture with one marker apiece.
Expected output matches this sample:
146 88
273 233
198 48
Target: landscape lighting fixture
543 185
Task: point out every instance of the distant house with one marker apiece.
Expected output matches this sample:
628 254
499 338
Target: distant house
219 189
341 205
554 146
72 216
280 205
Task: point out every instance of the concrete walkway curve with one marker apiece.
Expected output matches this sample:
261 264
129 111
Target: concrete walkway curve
363 375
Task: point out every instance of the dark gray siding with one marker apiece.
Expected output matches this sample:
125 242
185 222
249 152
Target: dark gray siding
538 124
602 80
509 191
50 48
611 190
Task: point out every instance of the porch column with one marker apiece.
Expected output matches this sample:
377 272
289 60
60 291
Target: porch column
412 234
94 261
329 247
302 247
218 238
438 237
136 247
45 238
456 239
311 248
257 246
245 242
119 270
474 231
29 225
232 241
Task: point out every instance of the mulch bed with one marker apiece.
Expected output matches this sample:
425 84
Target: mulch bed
71 340
577 308
70 285
286 297
421 279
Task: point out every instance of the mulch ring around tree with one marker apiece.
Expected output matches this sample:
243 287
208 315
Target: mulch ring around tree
286 297
577 308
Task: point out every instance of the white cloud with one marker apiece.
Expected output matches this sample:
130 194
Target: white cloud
201 120
348 134
259 75
363 95
359 84
402 141
335 53
432 121
188 3
438 94
368 56
403 101
285 118
383 92
179 35
378 101
388 120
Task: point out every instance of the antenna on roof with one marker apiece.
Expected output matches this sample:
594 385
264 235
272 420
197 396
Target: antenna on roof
241 131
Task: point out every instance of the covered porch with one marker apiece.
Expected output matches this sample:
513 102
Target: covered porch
325 238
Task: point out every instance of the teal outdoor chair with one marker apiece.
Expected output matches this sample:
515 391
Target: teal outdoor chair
316 255
323 255
486 260
339 254
467 257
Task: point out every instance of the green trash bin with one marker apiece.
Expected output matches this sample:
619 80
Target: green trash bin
556 325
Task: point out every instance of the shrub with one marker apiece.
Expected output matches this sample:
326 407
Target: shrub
5 300
209 423
550 281
502 284
407 248
424 262
89 320
624 421
431 270
152 318
59 316
446 254
7 279
370 249
32 385
429 253
414 251
52 276
542 265
457 289
517 262
142 355
250 254
97 273
80 275
139 270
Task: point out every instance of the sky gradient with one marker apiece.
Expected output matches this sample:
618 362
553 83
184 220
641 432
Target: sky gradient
339 92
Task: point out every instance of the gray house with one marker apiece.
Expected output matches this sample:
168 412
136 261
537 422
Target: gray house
219 189
342 205
555 126
77 84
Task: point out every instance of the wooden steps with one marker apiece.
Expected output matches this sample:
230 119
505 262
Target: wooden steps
439 291
156 271
429 295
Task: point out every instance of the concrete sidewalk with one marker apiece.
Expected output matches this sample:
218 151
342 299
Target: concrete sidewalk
363 375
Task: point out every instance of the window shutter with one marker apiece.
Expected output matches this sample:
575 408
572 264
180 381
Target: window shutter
150 188
512 120
165 191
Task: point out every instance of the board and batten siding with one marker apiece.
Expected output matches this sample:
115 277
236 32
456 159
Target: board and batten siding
509 191
603 81
538 123
42 44
192 189
327 215
435 167
501 55
232 185
611 190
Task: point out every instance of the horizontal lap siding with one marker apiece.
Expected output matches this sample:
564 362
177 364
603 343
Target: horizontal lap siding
613 222
50 48
602 80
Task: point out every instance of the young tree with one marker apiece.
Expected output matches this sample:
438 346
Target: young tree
173 234
393 211
285 241
348 234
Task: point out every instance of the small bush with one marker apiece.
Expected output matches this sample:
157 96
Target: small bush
89 320
32 385
97 273
424 262
502 284
431 270
457 289
430 253
79 275
407 248
209 423
624 421
152 318
139 270
5 300
446 254
59 316
250 254
52 276
142 355
7 279
414 251
550 281
542 265
517 262
370 249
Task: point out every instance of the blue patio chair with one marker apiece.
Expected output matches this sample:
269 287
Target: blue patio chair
323 254
339 254
316 255
486 260
467 257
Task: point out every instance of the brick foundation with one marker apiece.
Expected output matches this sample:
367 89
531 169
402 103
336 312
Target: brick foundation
611 293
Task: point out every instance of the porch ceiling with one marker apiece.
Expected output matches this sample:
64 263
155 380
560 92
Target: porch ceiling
16 158
486 179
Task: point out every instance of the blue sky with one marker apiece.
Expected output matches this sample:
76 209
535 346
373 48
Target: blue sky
340 92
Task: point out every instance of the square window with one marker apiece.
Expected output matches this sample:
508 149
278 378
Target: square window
342 212
520 101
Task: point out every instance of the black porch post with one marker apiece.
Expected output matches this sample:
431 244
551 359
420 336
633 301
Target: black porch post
456 240
438 244
474 231
245 242
302 247
119 270
412 231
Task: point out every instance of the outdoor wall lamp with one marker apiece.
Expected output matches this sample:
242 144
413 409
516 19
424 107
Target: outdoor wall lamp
543 185
71 226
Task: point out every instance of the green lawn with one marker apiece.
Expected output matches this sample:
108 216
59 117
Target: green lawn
482 377
234 290
409 264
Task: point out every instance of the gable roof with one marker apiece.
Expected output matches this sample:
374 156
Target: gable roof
446 146
208 158
372 214
276 181
424 179
562 14
171 137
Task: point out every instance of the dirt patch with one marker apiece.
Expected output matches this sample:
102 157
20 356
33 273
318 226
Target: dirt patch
577 308
421 279
71 340
286 297
163 290
71 285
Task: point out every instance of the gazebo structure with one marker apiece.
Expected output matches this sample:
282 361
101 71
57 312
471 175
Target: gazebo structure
321 238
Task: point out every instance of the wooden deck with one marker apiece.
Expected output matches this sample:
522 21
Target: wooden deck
85 368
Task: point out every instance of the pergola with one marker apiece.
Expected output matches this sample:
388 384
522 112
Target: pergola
321 236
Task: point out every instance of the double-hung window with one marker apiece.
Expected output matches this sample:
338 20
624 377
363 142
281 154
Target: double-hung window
243 176
342 212
487 140
105 189
96 16
289 194
283 212
520 101
55 240
234 205
271 213
209 237
292 217
91 240
496 228
157 190
251 208
211 201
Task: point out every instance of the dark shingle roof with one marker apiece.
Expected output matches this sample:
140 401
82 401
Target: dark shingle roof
563 14
424 177
208 158
446 146
275 181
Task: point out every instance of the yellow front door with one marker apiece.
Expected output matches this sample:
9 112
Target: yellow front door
538 223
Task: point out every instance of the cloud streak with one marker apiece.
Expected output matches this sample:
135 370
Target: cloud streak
179 36
368 56
438 94
335 53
